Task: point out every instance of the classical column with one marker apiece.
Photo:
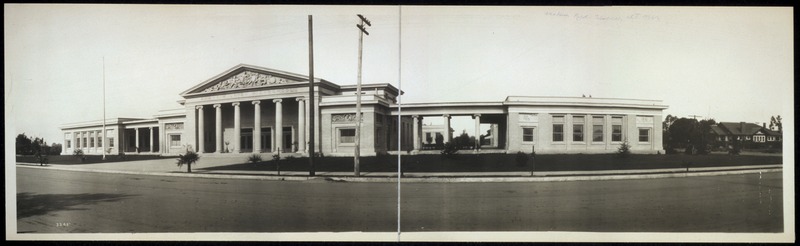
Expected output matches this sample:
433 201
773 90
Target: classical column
200 131
415 132
137 140
151 140
237 129
278 125
257 127
301 125
218 128
477 118
446 128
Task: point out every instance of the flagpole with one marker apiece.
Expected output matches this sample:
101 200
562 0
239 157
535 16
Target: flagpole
105 140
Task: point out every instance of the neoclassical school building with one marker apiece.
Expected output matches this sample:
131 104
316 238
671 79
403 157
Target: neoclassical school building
251 109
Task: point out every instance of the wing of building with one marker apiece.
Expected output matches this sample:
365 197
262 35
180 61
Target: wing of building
254 109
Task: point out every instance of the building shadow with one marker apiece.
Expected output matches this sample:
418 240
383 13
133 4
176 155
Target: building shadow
31 204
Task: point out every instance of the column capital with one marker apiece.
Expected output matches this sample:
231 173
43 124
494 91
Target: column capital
446 115
415 116
236 104
277 100
217 105
198 107
256 102
476 116
300 99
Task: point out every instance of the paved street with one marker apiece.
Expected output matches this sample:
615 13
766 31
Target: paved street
51 201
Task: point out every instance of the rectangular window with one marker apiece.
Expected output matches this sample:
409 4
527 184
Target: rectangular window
644 135
577 128
100 142
174 140
597 129
347 135
558 128
527 134
67 143
616 129
110 142
84 142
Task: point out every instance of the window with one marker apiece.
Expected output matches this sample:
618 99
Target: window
175 140
84 143
67 143
100 142
527 134
644 134
616 129
577 128
597 129
110 142
347 135
558 128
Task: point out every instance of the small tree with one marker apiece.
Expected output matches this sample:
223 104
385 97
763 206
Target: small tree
449 150
79 154
624 149
189 158
41 156
276 158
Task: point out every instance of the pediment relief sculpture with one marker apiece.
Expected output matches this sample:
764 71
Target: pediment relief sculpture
247 79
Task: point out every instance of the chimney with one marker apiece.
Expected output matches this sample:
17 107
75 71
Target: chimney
764 125
741 126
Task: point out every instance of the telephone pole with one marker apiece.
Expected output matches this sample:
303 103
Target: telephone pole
310 96
358 92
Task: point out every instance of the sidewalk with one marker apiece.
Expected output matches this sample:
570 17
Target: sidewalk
167 167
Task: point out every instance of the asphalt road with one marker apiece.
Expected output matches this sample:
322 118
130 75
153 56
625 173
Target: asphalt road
51 201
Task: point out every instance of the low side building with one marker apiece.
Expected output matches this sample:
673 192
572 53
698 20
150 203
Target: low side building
250 109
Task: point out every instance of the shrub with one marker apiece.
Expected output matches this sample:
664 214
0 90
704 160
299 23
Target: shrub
189 158
254 158
624 149
449 150
121 155
79 154
670 151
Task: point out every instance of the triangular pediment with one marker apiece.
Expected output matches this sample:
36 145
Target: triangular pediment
245 77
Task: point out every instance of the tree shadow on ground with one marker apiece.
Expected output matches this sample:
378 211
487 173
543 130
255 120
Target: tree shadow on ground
31 204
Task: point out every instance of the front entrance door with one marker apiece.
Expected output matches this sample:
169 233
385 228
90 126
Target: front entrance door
287 139
246 140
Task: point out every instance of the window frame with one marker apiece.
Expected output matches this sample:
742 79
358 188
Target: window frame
602 128
339 136
559 134
646 135
531 135
172 141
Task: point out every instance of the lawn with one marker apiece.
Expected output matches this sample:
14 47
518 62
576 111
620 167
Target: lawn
506 163
90 159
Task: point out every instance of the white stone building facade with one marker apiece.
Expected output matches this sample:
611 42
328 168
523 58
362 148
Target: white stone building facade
250 109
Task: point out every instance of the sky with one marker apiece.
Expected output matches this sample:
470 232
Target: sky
725 63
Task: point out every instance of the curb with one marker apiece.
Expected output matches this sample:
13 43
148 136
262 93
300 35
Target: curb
568 176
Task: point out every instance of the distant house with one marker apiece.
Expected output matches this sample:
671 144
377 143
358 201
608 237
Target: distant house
725 132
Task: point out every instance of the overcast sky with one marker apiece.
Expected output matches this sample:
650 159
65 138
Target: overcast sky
732 64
